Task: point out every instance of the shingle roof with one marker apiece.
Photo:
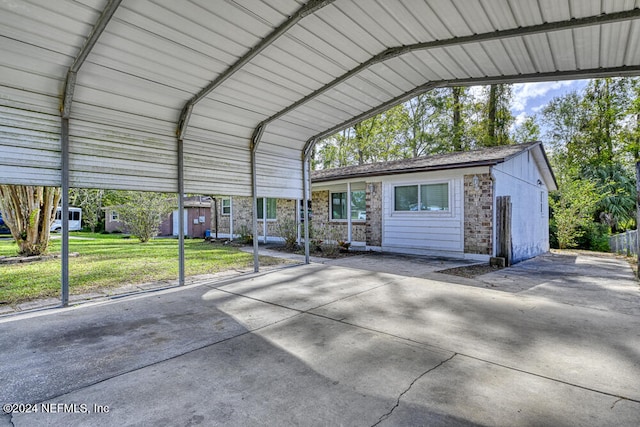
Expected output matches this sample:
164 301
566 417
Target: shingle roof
461 159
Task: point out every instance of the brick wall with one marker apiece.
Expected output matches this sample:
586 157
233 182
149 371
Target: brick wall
242 209
374 214
478 215
329 230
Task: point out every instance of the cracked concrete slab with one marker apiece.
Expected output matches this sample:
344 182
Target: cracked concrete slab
593 348
344 344
469 392
306 370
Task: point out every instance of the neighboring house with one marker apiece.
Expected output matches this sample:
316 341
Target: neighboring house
197 219
440 204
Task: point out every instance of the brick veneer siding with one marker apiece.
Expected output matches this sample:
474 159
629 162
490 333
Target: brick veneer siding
374 214
242 208
478 215
326 229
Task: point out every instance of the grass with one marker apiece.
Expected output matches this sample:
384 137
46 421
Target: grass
111 260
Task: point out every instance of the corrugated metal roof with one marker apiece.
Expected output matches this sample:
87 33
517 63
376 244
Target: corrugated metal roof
463 159
156 55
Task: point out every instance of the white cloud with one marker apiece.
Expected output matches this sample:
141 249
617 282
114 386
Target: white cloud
523 93
520 118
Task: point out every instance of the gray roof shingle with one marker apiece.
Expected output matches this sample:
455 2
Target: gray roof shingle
482 157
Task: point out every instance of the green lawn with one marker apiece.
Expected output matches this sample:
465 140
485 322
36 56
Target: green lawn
110 260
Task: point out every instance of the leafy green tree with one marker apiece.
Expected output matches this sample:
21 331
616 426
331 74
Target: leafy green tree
527 131
143 212
617 185
605 104
573 206
90 200
498 118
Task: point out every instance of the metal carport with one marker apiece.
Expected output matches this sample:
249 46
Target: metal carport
228 97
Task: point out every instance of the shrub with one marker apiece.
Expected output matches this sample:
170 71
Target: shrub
288 230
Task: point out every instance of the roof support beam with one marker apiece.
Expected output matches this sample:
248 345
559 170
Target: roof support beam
311 7
456 41
65 113
183 123
626 71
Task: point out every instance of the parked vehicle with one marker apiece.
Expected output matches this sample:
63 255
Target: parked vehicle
3 227
75 220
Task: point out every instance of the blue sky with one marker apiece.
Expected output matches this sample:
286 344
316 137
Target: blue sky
530 98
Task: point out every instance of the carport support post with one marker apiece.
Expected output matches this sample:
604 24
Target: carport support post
349 235
255 141
306 185
64 214
180 212
638 214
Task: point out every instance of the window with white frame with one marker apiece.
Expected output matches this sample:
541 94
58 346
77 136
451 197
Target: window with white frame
422 197
339 203
114 216
226 206
271 208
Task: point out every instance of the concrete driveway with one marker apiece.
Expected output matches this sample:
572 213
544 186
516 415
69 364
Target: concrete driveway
360 341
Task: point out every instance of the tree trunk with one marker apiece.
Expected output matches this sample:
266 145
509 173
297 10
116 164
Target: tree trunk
491 115
457 119
28 212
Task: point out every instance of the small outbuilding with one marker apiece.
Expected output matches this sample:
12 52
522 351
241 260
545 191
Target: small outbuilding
471 204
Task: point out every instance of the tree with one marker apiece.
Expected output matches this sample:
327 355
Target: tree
526 131
28 212
499 117
572 208
143 212
90 200
617 185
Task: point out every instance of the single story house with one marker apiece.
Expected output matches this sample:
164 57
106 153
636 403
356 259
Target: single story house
443 205
196 221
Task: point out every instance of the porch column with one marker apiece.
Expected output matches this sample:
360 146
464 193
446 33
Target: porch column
264 219
231 218
349 234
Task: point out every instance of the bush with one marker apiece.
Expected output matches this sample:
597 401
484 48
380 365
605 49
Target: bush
246 236
288 230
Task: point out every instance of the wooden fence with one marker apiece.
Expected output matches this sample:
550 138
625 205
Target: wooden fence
624 243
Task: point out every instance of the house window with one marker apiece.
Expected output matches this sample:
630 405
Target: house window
226 206
271 208
423 197
542 204
114 216
358 205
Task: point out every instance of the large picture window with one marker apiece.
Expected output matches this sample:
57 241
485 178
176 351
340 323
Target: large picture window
423 197
358 205
271 208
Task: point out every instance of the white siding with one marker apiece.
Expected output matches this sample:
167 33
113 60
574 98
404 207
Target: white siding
439 233
519 179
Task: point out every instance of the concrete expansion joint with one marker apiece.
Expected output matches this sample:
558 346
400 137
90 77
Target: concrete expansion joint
388 414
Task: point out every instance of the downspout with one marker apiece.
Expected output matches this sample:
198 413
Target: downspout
494 218
65 114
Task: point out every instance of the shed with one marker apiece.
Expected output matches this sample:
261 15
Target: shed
441 204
